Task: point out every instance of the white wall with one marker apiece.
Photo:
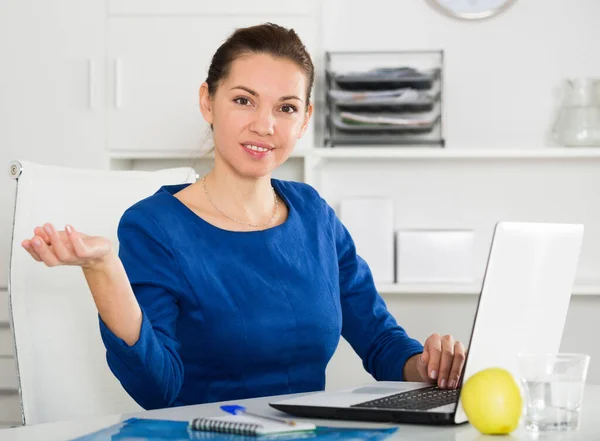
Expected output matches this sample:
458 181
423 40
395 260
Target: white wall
46 52
501 74
502 79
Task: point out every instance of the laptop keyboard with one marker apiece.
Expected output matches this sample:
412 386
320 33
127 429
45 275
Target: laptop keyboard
419 399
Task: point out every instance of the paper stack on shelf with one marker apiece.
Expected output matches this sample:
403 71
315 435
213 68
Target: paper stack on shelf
364 119
406 95
385 104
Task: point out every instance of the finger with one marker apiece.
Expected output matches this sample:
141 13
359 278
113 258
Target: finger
29 248
422 365
435 348
458 364
39 231
44 251
446 360
79 248
58 246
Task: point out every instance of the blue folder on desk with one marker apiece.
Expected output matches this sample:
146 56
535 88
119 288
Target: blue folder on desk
137 429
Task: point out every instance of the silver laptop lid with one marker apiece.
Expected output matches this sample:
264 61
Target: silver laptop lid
525 295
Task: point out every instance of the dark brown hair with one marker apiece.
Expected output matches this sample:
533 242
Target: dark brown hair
267 38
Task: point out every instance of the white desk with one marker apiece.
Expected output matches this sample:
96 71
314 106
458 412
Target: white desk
61 431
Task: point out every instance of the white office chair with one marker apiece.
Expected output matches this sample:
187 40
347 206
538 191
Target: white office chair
61 361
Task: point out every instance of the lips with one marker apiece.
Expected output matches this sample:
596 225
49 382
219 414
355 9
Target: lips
257 149
258 145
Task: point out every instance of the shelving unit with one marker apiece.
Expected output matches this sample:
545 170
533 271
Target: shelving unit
125 49
185 154
311 159
458 289
393 152
450 153
365 91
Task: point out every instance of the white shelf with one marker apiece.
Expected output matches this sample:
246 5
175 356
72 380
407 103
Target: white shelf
137 154
427 288
183 154
464 289
394 152
414 152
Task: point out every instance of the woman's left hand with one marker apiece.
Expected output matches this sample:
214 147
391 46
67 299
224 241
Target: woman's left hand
441 362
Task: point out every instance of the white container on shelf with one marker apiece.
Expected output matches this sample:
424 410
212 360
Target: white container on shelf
370 221
435 256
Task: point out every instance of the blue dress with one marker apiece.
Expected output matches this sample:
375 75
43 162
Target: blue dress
231 315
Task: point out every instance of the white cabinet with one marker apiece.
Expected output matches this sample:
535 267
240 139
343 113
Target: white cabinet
51 111
6 342
9 398
259 8
51 91
8 374
51 106
155 66
4 316
10 409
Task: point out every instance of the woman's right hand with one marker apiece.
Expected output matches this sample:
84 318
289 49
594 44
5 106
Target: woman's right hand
68 247
103 271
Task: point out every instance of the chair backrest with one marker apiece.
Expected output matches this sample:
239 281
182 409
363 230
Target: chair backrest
60 356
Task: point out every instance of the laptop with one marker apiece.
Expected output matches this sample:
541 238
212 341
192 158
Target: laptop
522 307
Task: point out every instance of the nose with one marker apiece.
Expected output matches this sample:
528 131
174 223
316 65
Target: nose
263 123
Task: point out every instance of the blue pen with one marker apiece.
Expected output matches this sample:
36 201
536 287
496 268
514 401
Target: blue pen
233 409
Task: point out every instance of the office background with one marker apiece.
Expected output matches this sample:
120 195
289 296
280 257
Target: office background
112 84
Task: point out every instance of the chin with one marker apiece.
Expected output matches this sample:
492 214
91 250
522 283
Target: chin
255 171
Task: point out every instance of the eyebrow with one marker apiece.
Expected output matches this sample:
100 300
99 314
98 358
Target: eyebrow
254 93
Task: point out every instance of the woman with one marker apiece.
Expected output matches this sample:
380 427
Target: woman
240 285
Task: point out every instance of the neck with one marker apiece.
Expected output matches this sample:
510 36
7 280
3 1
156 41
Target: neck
249 200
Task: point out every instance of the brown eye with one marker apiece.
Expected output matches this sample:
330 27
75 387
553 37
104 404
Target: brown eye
242 101
288 108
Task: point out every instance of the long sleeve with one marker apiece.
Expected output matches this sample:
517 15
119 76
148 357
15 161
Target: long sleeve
368 326
151 370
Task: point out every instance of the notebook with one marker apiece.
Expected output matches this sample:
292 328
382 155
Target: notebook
247 425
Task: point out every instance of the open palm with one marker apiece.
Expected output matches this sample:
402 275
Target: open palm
66 247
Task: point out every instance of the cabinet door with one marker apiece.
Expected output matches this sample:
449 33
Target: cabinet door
51 89
156 66
51 107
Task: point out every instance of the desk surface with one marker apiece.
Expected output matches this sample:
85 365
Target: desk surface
62 431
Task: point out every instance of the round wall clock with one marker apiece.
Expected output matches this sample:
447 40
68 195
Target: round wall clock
471 9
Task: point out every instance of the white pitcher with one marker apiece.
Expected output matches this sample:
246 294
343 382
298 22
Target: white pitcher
578 121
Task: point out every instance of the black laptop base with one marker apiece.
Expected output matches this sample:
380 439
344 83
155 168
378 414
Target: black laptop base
362 414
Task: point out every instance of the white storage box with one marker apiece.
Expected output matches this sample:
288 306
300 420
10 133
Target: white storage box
370 222
435 256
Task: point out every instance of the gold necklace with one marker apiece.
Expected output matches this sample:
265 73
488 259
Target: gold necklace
275 213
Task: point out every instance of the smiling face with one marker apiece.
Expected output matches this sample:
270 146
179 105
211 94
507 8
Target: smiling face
258 113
